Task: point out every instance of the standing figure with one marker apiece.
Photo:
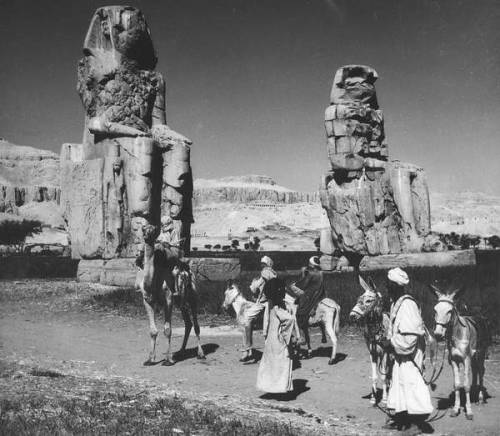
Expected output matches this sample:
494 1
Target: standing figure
115 202
408 397
275 369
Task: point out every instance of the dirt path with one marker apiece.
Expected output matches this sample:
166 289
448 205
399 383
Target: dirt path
110 344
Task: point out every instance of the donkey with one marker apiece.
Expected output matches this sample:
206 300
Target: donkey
467 340
327 314
376 328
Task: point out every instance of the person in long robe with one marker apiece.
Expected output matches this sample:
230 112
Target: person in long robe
275 368
409 397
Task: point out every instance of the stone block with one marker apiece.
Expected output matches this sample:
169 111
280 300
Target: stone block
82 201
328 263
215 268
331 112
326 245
119 272
90 270
407 260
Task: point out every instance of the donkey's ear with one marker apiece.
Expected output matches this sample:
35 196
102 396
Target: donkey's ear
435 290
457 293
372 284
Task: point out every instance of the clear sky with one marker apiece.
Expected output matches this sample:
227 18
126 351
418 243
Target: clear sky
248 81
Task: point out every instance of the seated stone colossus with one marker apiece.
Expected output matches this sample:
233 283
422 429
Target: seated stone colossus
131 168
374 205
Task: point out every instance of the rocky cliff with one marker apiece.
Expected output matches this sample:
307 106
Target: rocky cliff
247 189
27 174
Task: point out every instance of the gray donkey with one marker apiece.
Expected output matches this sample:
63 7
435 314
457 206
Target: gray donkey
467 339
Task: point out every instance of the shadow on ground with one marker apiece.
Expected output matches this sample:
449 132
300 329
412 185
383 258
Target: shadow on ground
192 353
299 387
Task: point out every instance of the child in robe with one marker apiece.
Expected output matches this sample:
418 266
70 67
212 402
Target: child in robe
275 369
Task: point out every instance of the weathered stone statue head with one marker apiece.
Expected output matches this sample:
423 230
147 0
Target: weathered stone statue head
121 31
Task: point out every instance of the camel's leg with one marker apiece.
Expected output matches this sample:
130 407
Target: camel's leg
467 384
456 375
194 315
167 329
373 363
383 376
187 328
153 332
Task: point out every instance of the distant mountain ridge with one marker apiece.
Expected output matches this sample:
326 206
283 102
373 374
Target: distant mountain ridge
247 189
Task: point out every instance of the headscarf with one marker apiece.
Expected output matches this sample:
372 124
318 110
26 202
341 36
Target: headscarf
398 276
314 262
266 260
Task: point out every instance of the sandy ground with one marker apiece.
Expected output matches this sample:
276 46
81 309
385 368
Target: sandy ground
108 344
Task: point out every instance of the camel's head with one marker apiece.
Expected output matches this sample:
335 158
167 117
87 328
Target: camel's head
443 310
150 233
232 291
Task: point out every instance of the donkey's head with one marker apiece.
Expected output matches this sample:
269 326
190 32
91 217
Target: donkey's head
231 293
150 233
444 308
367 302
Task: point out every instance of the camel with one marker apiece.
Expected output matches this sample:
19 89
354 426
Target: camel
327 315
369 308
156 282
467 339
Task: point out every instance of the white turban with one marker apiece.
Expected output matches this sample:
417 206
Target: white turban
314 261
398 276
266 260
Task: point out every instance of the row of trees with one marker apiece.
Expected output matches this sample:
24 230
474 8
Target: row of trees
252 244
14 232
455 241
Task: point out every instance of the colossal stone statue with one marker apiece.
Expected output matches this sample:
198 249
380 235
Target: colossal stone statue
374 205
131 168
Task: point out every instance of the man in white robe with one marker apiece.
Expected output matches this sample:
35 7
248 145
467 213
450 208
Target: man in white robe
409 397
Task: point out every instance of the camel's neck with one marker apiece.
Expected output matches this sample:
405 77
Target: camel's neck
149 251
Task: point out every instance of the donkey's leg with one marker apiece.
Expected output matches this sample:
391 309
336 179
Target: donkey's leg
373 363
456 374
187 328
167 328
153 332
383 376
480 371
328 323
194 316
308 341
323 333
467 384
